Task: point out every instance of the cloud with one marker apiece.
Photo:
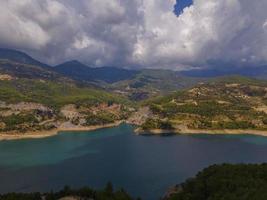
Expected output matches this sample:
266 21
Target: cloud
137 33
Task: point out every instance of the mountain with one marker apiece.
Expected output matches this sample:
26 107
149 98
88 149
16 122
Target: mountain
254 72
34 97
78 71
133 84
19 57
21 70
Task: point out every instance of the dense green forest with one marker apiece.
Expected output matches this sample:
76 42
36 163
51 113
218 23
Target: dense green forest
225 182
86 193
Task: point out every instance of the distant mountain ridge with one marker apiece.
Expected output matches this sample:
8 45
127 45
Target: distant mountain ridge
134 84
77 70
254 72
72 69
20 57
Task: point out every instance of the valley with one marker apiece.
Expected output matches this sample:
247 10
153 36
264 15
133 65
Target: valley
133 100
38 100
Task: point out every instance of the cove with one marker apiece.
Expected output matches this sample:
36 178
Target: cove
146 166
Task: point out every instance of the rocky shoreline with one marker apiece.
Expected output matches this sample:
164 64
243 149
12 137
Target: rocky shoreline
43 134
201 131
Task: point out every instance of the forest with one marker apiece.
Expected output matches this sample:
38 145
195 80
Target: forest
224 182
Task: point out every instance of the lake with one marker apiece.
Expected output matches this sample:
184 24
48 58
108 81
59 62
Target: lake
146 166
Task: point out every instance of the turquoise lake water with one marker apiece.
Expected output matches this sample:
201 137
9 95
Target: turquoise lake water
146 166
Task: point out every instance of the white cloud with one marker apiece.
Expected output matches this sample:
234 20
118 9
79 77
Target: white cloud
142 33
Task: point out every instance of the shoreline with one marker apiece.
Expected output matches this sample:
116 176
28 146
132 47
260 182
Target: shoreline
13 135
203 131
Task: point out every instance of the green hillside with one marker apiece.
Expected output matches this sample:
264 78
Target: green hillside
229 103
150 83
33 98
51 93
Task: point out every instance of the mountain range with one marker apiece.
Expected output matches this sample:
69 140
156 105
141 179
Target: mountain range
135 84
35 97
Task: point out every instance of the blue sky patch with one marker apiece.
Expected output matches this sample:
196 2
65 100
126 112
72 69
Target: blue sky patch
180 5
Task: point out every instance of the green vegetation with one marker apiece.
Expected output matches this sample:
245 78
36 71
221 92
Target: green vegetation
100 118
18 122
233 102
83 193
156 124
229 182
216 105
52 94
151 83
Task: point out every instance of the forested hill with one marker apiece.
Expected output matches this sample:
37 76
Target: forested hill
229 182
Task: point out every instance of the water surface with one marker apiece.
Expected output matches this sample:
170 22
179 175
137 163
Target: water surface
146 166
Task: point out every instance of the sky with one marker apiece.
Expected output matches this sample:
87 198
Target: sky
167 34
181 5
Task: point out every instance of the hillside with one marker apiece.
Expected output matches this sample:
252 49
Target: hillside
234 103
34 105
33 98
72 95
20 70
150 83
